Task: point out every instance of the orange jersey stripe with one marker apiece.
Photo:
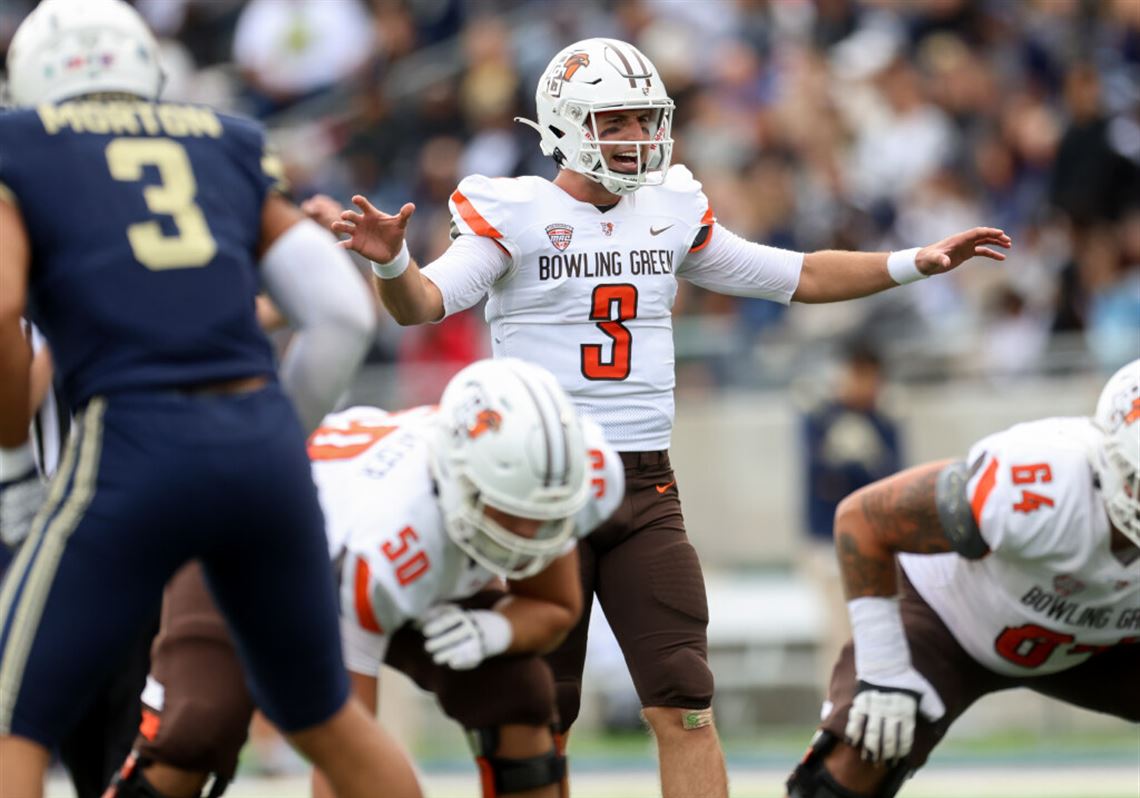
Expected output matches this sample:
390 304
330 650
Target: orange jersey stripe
709 216
363 606
476 222
985 486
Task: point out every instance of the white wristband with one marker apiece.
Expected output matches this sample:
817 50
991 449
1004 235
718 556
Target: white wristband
903 268
395 267
880 640
16 461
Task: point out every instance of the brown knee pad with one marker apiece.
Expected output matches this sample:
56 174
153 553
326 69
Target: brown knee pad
501 691
199 719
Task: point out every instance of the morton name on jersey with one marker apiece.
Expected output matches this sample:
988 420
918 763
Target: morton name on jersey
384 522
588 292
1050 593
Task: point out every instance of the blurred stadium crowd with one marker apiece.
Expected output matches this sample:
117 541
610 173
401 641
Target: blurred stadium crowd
812 124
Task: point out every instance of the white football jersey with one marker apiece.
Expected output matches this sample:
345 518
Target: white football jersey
384 522
589 293
1050 593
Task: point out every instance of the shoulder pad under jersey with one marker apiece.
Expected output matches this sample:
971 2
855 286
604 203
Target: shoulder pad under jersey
1029 486
486 206
683 198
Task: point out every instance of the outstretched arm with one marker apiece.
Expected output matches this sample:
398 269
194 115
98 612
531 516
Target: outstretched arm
833 275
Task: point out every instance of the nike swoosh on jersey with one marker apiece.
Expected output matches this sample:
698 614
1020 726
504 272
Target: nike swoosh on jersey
665 487
656 232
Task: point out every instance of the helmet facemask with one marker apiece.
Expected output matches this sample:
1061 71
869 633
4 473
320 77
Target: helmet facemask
652 155
492 545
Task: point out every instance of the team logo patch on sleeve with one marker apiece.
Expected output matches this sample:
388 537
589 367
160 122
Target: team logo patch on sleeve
559 235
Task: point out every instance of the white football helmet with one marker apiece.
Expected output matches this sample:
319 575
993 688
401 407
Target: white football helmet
507 437
1117 461
587 78
68 48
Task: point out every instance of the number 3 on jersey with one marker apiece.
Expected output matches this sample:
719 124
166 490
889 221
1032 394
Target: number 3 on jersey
174 196
611 305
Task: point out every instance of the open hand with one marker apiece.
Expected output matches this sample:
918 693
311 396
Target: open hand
953 251
375 235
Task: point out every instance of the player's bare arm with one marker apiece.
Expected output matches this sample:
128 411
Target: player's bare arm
543 608
410 297
15 350
892 515
832 275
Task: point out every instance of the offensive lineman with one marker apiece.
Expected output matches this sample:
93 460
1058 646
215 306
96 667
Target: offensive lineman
427 511
1019 569
580 274
184 444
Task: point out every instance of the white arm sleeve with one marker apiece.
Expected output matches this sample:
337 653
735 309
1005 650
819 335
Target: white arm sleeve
729 264
466 271
329 306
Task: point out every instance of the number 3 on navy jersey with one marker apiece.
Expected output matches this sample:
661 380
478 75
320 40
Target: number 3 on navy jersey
605 297
174 196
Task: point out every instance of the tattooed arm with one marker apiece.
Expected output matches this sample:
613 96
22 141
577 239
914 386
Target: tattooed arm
895 514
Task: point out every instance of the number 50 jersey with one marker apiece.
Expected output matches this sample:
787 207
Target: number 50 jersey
144 221
1050 593
384 523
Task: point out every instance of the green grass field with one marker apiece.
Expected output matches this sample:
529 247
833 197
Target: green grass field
1008 765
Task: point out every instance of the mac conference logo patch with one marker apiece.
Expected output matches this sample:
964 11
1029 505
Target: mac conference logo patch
559 235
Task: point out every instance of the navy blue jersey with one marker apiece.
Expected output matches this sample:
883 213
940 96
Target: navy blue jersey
144 220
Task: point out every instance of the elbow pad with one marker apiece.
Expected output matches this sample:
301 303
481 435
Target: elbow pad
955 513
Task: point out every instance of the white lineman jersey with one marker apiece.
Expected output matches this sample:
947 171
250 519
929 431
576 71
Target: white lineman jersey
589 293
1050 593
384 522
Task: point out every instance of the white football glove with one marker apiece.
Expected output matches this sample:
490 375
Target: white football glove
461 639
22 493
890 692
882 716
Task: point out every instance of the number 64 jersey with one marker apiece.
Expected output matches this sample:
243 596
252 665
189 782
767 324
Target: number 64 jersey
1050 593
384 524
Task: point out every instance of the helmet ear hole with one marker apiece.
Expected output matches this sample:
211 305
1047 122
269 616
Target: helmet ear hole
556 131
